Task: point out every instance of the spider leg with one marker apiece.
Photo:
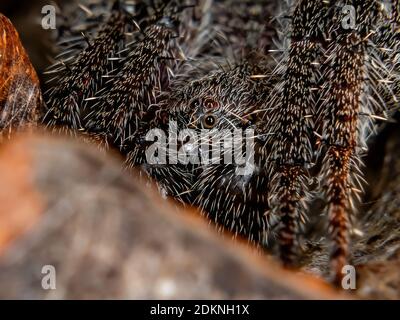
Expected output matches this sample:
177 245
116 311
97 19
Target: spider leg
318 37
80 79
291 144
127 97
344 131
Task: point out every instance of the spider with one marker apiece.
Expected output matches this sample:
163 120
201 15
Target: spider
312 79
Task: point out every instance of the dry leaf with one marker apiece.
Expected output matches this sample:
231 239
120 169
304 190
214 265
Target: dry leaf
111 237
20 95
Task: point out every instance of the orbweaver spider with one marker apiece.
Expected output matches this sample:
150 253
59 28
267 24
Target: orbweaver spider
312 79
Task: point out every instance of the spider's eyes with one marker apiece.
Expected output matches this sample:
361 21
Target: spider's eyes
209 121
207 104
210 104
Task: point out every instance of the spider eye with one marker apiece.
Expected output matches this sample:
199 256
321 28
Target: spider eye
209 121
251 118
195 104
210 103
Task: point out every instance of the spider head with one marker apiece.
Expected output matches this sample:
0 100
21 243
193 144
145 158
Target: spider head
213 113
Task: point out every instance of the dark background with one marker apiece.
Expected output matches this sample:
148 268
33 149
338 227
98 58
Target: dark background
26 16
